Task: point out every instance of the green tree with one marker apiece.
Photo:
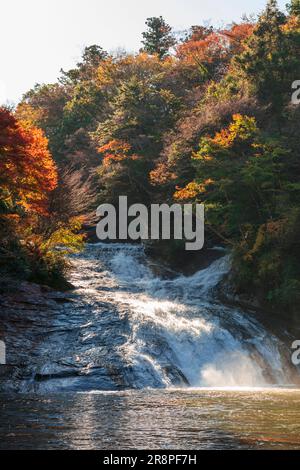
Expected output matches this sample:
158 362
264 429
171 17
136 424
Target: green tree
158 39
142 106
236 176
270 60
92 57
294 7
246 180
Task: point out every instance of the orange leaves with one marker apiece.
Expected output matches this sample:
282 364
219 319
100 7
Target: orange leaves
233 140
240 32
206 46
27 171
192 190
39 162
292 25
116 151
237 34
224 138
161 175
209 49
242 128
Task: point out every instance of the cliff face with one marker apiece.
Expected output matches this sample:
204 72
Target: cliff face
26 314
284 325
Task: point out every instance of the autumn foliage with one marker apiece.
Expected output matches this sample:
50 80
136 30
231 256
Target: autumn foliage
205 117
27 171
207 48
115 151
30 230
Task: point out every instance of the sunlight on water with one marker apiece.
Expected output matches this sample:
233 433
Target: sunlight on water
235 370
231 418
127 326
151 362
177 330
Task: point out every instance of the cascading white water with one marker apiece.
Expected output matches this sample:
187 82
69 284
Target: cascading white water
124 328
176 331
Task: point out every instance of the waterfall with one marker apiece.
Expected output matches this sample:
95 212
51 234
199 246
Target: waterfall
175 331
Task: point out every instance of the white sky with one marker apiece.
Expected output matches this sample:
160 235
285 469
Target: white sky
39 37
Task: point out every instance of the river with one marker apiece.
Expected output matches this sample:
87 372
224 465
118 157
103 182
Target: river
142 357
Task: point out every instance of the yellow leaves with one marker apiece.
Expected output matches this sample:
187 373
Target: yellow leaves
106 71
189 192
243 127
65 238
292 25
28 114
192 190
112 70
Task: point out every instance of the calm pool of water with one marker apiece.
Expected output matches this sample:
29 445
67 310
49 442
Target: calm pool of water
150 419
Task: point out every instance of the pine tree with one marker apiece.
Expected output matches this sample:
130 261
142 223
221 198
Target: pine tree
270 60
158 39
294 7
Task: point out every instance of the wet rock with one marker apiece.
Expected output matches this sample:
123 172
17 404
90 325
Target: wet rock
176 376
123 327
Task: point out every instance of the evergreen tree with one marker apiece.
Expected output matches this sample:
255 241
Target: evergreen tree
158 39
294 7
91 58
270 59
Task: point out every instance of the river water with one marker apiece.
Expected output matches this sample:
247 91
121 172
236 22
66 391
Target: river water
141 357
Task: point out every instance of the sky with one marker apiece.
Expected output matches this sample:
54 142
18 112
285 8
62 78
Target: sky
39 37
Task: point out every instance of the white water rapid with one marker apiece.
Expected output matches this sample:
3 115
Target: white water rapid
173 331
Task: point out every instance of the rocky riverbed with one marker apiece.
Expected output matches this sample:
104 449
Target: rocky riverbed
131 324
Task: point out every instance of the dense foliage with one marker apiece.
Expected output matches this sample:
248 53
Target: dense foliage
205 118
33 241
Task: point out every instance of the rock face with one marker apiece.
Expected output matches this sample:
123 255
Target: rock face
27 310
282 324
131 323
44 331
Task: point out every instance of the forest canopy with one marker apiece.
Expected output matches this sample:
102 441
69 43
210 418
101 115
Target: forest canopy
204 118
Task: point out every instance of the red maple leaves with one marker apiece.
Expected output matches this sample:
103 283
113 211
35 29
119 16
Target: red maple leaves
27 171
